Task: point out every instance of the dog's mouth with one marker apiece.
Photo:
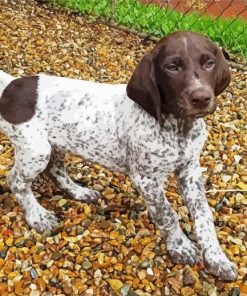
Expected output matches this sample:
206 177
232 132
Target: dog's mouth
197 115
194 114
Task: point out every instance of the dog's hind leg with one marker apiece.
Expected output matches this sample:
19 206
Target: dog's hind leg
32 154
57 172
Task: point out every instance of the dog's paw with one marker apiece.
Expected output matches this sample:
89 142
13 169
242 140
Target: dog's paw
86 195
219 265
41 219
182 250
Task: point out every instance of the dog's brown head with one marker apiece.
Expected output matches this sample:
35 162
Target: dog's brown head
181 76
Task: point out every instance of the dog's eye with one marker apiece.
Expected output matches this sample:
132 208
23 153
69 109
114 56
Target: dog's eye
172 67
209 64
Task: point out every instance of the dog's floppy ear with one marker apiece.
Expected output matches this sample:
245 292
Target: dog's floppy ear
223 76
142 88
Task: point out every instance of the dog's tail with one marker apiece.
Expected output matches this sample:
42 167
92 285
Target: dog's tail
5 79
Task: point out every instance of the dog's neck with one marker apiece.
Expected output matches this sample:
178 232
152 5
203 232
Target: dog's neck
182 125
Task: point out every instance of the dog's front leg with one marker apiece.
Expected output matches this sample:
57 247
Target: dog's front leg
192 189
180 248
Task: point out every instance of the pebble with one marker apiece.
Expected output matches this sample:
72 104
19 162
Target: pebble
235 292
189 276
33 273
86 264
56 256
41 284
142 274
3 252
125 290
115 284
98 187
242 271
187 291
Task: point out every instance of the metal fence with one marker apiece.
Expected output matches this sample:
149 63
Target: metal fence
225 21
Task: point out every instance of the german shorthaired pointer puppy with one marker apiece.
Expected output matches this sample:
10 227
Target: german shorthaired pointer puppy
148 129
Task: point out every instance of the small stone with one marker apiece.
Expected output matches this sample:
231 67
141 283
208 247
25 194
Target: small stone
1 245
4 252
104 224
9 241
237 158
62 202
54 281
138 207
87 210
80 230
132 293
218 207
46 233
125 290
49 263
97 277
176 283
242 185
20 242
115 284
235 292
145 264
34 293
98 187
242 271
138 248
41 284
243 288
67 290
33 273
56 256
150 271
142 274
234 249
118 266
187 291
188 276
90 292
86 264
18 288
145 241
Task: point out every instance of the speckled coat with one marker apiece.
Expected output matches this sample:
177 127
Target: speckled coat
104 124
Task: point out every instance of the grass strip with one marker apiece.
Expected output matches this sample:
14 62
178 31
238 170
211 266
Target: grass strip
153 20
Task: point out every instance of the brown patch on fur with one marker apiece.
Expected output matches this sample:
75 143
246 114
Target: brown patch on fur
18 101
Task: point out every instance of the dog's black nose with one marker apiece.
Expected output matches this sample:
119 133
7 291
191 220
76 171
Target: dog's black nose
201 99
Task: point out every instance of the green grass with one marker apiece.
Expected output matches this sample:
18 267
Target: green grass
230 33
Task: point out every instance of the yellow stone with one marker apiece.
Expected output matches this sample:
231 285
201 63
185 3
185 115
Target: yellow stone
114 242
118 266
114 234
234 249
187 291
62 202
9 241
244 202
116 285
242 185
71 239
1 245
87 209
142 274
12 275
145 241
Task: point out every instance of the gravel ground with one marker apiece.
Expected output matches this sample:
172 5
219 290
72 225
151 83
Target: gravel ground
112 248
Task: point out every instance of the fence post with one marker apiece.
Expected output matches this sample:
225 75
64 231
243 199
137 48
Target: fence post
112 15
